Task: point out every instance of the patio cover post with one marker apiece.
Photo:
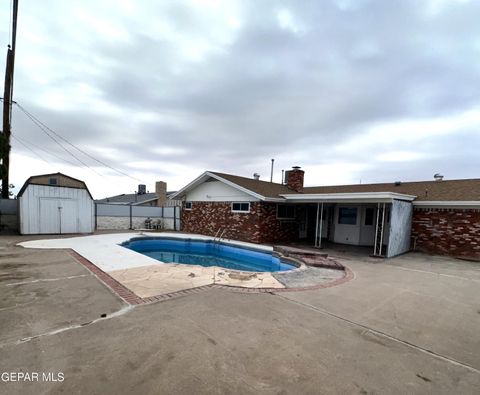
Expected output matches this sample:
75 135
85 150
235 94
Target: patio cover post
316 225
377 251
376 231
383 226
321 228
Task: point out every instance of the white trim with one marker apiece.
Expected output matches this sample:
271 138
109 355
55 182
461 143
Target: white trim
201 178
276 200
236 186
448 203
354 197
194 183
240 211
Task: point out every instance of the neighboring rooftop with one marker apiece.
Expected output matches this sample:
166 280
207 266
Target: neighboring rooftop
129 198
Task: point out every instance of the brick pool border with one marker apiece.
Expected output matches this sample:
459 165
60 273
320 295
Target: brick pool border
133 299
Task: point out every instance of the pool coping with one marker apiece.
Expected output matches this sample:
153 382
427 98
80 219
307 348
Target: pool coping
131 298
299 265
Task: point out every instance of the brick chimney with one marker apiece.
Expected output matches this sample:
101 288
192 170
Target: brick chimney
295 179
161 192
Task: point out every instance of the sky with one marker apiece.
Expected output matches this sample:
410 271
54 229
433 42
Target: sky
350 90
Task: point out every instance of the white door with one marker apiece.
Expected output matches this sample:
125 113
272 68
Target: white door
68 216
58 216
49 216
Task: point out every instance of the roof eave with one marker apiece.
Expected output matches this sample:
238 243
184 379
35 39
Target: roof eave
448 203
200 179
353 197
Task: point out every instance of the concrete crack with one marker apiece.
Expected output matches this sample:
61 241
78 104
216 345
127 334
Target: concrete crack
41 280
117 313
385 335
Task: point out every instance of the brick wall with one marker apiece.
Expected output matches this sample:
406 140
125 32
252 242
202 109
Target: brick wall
447 231
258 226
295 179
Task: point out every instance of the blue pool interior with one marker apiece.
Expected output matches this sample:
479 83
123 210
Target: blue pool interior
208 253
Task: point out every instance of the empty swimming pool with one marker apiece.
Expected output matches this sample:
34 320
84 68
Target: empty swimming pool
208 253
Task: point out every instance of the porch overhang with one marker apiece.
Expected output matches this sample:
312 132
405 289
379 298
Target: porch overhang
357 197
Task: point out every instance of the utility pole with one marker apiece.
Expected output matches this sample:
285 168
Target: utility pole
7 104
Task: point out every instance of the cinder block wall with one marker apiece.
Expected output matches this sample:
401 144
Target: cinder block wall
258 226
105 222
453 232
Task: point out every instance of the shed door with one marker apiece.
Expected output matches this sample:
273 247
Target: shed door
68 216
58 216
49 218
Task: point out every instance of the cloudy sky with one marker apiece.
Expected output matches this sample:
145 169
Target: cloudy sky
163 90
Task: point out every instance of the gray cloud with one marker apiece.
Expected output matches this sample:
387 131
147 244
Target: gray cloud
228 88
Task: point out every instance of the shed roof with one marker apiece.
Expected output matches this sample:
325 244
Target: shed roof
62 180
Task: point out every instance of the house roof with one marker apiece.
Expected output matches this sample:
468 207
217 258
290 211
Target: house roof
63 181
464 190
446 190
263 188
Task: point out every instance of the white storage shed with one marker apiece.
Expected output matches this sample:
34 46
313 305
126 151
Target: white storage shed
55 204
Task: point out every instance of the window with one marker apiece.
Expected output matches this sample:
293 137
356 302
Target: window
347 216
52 181
238 207
369 216
285 211
188 205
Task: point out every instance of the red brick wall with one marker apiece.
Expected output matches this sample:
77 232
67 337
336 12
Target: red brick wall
295 180
258 226
447 231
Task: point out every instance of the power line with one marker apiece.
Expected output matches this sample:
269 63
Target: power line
55 140
50 132
36 120
44 150
31 150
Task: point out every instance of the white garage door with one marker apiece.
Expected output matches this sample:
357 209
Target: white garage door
58 215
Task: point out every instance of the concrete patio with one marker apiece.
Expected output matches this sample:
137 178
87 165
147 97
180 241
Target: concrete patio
406 325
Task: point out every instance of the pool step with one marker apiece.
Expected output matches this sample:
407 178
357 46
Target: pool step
310 258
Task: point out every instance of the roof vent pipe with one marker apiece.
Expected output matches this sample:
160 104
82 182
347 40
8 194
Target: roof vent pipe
256 176
271 171
438 177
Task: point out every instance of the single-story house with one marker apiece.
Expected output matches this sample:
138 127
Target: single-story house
440 216
142 197
55 204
